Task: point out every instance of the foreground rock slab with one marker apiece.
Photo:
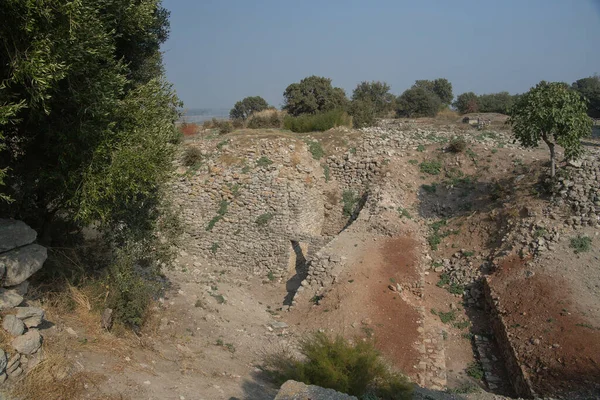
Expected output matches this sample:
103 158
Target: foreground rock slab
292 390
31 316
13 325
14 234
21 263
28 343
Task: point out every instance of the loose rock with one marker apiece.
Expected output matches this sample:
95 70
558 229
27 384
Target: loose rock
31 316
28 343
13 325
21 263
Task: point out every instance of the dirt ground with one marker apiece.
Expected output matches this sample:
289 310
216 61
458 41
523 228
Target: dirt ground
208 336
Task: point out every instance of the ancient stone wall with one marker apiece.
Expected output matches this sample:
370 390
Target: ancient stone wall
249 213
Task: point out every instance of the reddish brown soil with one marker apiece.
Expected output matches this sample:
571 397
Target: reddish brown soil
362 305
540 307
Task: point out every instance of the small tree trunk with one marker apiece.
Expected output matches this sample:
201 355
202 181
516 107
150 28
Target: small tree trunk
552 159
551 145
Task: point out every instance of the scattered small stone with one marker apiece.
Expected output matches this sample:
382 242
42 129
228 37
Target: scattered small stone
278 325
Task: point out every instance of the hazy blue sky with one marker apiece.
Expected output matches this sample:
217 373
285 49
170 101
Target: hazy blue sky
221 51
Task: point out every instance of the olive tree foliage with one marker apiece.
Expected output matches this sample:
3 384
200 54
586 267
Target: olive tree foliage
86 117
377 94
551 112
467 103
248 106
313 95
418 102
589 88
441 87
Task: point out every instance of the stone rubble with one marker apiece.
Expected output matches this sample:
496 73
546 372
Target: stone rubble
19 259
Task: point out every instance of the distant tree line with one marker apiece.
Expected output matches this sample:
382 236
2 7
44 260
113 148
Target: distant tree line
316 95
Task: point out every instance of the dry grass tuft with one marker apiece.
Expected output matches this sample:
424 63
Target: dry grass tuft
55 379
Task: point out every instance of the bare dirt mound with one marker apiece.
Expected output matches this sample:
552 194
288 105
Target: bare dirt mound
361 304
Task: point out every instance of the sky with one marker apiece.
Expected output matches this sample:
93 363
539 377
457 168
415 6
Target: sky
221 51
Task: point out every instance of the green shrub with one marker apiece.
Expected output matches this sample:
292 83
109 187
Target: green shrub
349 199
191 156
326 172
475 370
264 219
313 95
432 167
317 122
356 369
457 145
362 112
246 107
581 244
263 162
129 292
223 207
316 150
418 102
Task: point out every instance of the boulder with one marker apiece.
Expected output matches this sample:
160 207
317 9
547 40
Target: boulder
13 325
292 390
28 343
31 316
21 263
14 234
9 298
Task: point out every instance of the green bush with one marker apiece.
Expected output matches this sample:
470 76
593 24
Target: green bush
432 167
246 107
317 122
191 156
362 112
349 199
377 95
581 244
356 369
316 150
129 291
418 102
313 95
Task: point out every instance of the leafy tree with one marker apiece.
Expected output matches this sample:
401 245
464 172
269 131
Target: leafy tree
496 102
313 95
87 119
467 103
441 87
362 112
589 88
418 102
376 93
553 113
248 106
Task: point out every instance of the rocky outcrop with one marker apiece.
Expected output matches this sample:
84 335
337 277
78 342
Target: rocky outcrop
292 390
